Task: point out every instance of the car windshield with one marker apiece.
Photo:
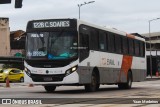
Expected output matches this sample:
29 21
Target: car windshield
5 71
52 45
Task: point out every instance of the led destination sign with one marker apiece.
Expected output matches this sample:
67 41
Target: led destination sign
51 24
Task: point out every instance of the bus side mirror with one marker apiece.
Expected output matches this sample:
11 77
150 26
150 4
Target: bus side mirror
18 3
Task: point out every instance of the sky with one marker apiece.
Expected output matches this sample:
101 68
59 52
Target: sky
131 16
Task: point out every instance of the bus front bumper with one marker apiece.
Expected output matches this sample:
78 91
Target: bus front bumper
73 78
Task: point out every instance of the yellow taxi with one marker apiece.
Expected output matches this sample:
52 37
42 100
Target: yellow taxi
13 74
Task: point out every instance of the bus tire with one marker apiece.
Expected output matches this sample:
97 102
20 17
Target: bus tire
49 88
94 85
128 84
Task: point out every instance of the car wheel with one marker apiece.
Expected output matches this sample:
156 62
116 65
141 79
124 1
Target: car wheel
21 79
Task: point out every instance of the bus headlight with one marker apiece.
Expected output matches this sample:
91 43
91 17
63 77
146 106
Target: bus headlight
71 70
28 72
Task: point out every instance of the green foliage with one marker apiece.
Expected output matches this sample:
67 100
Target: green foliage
7 66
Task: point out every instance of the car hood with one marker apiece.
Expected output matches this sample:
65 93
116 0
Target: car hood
1 74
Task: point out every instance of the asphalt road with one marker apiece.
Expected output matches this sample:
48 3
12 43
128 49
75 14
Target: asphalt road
108 95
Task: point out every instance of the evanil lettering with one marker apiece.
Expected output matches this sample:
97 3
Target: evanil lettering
51 24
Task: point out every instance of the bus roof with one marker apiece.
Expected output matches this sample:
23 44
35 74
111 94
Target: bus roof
114 30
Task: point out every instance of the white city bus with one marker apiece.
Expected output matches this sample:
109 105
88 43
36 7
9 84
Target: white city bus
74 52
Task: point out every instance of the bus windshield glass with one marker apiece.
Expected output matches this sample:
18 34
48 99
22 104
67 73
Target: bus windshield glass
52 45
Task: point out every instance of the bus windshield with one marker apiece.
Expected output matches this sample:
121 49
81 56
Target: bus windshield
52 45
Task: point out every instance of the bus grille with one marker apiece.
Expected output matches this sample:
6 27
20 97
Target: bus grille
47 78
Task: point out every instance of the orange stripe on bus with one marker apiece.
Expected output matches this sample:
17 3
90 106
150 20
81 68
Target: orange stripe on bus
126 62
130 36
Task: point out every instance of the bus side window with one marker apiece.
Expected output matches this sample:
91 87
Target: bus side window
118 44
94 39
125 45
102 41
111 42
131 46
84 43
142 48
137 46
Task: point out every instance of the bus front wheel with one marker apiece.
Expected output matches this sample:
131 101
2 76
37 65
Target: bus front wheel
94 85
50 88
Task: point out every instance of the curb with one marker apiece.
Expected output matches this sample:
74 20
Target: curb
154 78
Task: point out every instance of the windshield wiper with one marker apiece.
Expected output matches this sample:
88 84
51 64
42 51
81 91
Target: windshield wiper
41 38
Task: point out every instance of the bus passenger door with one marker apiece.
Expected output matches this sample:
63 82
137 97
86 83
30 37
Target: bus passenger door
84 66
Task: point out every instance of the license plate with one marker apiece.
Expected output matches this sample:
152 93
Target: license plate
47 79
